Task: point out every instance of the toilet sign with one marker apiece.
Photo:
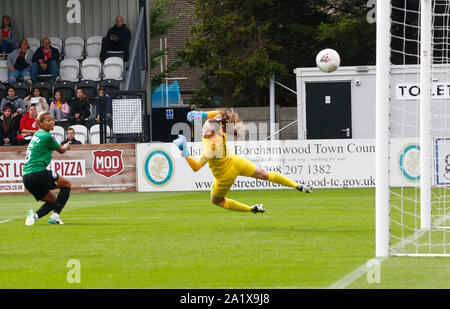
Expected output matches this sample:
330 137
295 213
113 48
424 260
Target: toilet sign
411 91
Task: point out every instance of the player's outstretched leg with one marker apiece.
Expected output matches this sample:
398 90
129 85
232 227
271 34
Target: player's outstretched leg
305 188
235 205
31 218
64 185
258 208
44 210
280 179
49 205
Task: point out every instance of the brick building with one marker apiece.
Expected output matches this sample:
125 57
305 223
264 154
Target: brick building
188 78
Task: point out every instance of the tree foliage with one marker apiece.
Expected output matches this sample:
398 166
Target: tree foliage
241 43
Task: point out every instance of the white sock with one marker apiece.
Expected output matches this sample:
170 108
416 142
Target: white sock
55 216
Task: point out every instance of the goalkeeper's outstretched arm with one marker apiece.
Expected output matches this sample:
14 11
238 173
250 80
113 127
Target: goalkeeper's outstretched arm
194 115
196 165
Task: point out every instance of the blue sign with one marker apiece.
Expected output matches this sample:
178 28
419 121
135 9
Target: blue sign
169 114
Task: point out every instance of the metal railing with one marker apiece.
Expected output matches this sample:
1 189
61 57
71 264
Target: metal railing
138 60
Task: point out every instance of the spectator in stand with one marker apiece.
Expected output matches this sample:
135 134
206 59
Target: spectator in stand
79 107
8 40
70 133
117 39
103 100
45 61
9 127
19 63
59 107
28 125
18 106
35 98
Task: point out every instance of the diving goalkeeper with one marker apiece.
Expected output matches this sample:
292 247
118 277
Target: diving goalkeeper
225 165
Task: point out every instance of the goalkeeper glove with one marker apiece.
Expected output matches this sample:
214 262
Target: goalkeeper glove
181 143
194 115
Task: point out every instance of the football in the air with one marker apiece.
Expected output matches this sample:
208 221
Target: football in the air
328 60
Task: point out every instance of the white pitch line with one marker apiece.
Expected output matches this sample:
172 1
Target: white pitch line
363 269
5 221
353 276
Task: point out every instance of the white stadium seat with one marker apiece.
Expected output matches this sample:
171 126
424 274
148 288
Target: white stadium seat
94 134
74 47
3 71
57 43
69 70
34 43
113 68
81 133
93 46
58 133
91 68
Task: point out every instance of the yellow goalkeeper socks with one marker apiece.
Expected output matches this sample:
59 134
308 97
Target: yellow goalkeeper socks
236 206
282 180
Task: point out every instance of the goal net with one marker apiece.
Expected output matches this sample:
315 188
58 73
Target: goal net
413 217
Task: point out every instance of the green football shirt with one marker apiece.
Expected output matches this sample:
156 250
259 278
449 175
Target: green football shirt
39 152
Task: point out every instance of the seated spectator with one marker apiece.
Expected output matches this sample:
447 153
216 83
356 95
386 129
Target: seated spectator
9 127
8 40
45 61
28 125
59 107
117 39
18 106
19 63
103 102
79 107
35 98
70 133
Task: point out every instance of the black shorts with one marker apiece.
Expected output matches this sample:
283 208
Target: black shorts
40 183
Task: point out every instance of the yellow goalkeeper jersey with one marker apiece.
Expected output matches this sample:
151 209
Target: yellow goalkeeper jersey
220 159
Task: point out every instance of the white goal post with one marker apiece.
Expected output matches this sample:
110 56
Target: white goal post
412 128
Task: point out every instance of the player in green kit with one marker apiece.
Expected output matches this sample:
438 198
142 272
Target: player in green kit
38 180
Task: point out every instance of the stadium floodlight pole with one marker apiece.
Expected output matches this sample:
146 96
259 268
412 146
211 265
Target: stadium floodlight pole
426 142
382 127
272 107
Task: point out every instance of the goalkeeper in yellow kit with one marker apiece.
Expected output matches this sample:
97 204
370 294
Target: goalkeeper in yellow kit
225 165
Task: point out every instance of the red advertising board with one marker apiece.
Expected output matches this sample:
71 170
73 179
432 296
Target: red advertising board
90 168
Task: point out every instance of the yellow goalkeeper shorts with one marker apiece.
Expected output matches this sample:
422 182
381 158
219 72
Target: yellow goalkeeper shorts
241 167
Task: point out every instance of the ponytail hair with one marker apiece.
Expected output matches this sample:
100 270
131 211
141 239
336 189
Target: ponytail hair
231 123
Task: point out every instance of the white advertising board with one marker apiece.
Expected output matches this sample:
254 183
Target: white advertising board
320 163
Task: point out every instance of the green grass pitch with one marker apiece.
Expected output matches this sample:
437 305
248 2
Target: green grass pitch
179 240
